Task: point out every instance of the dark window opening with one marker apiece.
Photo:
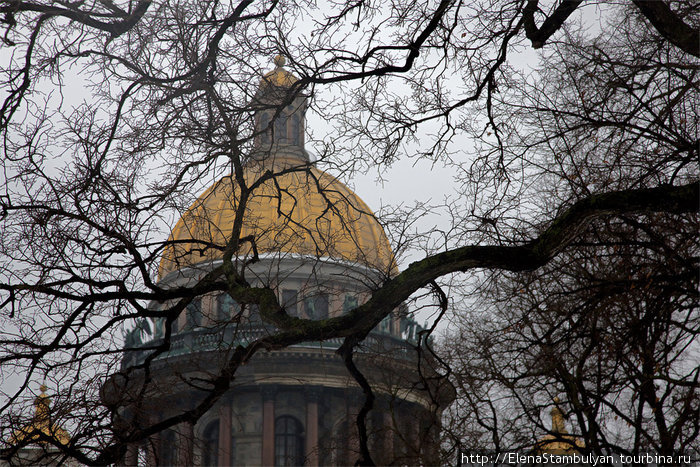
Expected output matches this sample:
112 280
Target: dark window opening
264 123
385 325
289 301
296 130
289 442
281 129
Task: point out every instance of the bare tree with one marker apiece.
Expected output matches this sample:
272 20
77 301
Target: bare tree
116 113
610 328
610 325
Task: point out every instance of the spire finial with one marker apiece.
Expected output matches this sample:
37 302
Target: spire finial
279 77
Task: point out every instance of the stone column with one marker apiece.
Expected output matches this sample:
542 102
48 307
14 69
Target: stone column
268 441
313 395
185 444
225 439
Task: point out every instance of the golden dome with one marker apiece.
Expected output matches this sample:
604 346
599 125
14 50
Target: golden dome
305 212
279 77
41 426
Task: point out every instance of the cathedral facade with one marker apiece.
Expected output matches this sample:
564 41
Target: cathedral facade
318 245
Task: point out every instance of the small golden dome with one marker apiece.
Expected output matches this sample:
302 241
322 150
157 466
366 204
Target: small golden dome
305 212
41 427
279 77
560 442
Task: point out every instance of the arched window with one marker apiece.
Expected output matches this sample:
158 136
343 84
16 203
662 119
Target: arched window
289 442
168 449
281 129
289 301
296 130
210 444
264 122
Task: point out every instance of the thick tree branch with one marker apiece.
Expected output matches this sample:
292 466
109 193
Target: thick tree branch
346 351
670 25
562 231
538 36
115 28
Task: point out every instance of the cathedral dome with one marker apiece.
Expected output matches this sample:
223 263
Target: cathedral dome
303 212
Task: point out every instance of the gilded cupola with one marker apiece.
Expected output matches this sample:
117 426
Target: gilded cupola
41 430
301 211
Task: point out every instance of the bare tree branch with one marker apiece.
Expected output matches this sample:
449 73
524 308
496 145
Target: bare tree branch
538 36
670 25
